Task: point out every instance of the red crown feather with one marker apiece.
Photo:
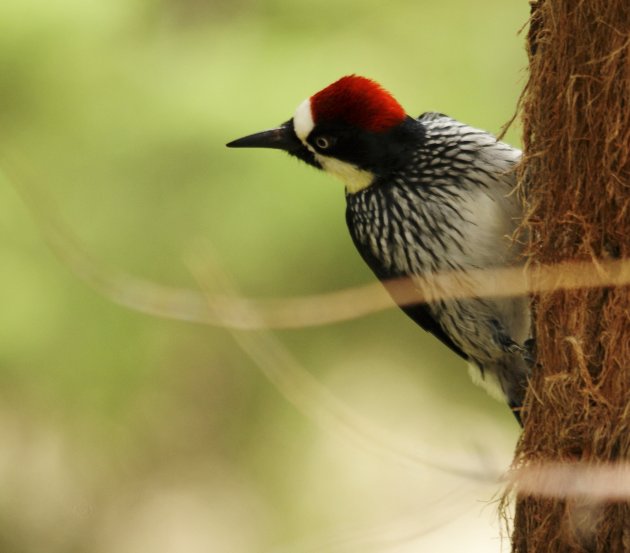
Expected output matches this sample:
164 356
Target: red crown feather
359 102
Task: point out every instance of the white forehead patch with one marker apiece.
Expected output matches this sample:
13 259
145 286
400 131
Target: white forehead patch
303 120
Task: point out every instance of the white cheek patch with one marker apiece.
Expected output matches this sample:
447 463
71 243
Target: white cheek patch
303 122
354 178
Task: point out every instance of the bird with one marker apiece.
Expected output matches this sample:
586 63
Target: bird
424 196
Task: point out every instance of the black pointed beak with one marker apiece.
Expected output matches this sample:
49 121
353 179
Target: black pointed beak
280 138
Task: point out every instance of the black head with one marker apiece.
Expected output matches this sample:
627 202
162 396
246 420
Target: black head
353 129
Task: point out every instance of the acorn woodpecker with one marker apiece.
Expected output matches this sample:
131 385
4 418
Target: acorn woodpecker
424 196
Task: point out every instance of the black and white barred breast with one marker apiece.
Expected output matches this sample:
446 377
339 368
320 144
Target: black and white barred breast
452 208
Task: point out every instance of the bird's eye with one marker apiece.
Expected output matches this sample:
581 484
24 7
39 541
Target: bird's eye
324 142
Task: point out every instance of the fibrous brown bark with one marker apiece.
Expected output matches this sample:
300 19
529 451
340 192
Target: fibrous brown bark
576 178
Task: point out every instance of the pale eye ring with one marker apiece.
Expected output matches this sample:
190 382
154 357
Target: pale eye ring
323 142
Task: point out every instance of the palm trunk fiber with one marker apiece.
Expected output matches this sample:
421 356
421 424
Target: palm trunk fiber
576 178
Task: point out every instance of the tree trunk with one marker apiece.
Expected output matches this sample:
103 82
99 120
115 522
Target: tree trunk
576 178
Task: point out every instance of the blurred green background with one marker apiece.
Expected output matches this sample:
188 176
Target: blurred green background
128 433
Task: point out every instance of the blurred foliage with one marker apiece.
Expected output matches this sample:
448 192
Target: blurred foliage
122 432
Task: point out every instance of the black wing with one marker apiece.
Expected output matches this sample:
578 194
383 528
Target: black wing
419 312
